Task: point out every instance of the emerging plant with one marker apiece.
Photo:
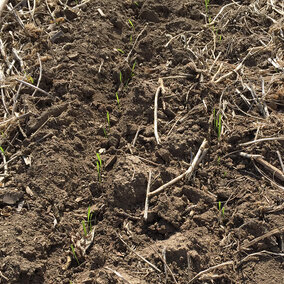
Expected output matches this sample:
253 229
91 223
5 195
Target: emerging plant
120 77
74 254
99 159
117 99
2 150
221 209
87 228
120 50
108 120
131 24
207 2
89 218
132 70
105 133
84 228
217 123
99 171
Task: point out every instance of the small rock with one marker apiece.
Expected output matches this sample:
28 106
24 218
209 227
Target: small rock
164 155
10 197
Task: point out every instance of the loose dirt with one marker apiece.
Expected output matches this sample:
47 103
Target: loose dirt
66 216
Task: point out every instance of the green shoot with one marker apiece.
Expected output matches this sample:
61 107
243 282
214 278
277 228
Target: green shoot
108 121
74 254
89 218
219 205
99 171
219 126
131 24
207 2
132 70
84 228
217 123
99 159
130 39
120 50
2 150
136 3
120 77
117 99
223 211
219 161
105 133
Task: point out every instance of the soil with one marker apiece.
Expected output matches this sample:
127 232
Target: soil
76 153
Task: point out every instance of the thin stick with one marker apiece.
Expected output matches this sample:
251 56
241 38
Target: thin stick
128 56
32 86
160 89
147 197
101 65
280 138
265 236
280 160
219 13
230 73
4 101
275 171
2 5
215 62
211 269
40 74
4 277
16 99
117 274
165 262
141 257
186 173
136 136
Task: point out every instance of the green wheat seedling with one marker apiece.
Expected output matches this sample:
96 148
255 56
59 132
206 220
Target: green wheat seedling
207 2
74 254
132 70
84 228
120 50
117 100
99 159
89 218
2 150
221 209
131 24
120 77
217 123
99 171
108 120
105 132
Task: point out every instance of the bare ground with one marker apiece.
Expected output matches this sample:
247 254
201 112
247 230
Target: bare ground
98 66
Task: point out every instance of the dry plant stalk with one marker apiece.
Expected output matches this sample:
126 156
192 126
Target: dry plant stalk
2 5
190 170
275 171
267 235
161 89
147 197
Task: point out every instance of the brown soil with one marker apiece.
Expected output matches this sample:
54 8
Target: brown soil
229 213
